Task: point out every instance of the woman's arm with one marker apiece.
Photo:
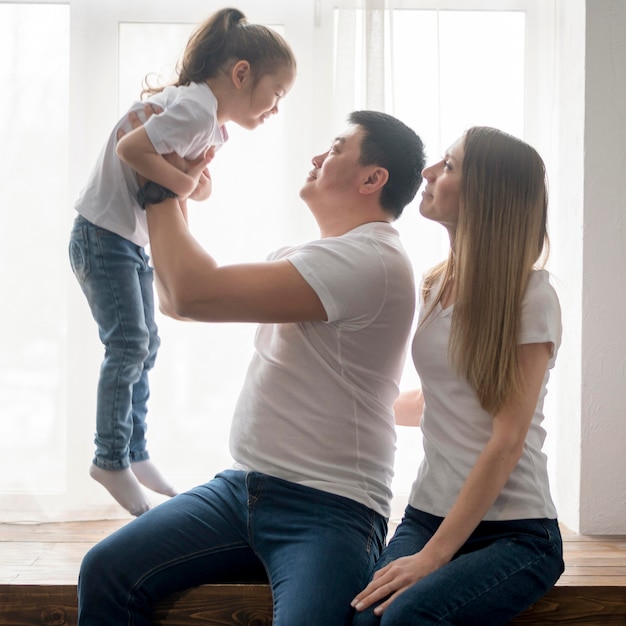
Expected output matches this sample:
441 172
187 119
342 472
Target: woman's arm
481 488
408 408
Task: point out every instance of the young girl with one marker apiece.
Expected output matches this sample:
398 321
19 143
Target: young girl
479 541
230 71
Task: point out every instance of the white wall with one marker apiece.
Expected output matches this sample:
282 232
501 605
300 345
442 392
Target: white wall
589 262
603 389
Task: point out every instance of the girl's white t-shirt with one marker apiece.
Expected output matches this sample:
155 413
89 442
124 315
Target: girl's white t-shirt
187 126
456 428
316 407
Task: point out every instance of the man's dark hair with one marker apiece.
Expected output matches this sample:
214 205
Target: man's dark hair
391 144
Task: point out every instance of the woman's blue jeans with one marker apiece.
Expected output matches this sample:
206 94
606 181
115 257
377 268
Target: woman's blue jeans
502 569
317 549
117 281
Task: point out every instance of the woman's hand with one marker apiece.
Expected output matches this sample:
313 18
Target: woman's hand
390 581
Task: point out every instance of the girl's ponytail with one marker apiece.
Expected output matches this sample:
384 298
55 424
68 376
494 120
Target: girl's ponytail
207 49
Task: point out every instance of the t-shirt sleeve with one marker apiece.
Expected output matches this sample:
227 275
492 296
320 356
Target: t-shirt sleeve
179 126
348 275
541 312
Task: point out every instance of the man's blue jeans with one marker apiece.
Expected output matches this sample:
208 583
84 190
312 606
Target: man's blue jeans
317 549
502 569
117 280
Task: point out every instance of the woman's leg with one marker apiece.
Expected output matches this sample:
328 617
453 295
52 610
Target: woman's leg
502 569
197 537
410 537
318 549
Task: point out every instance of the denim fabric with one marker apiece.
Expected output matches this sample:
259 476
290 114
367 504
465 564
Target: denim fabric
116 279
317 549
502 569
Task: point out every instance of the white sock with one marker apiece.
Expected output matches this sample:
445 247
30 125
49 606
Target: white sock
123 486
149 476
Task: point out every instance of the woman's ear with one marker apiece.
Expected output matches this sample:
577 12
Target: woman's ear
376 179
240 73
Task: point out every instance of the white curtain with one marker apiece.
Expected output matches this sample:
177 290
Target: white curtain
434 69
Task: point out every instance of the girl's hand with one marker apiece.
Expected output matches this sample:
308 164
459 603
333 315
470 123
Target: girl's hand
197 169
390 581
204 188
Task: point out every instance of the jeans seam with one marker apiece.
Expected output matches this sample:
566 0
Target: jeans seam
182 559
499 582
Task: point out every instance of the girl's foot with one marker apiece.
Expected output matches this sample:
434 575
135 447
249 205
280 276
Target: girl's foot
123 486
149 476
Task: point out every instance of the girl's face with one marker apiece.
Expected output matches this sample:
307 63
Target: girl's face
440 198
261 100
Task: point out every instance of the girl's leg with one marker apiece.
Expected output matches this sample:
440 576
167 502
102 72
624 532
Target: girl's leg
197 537
318 549
142 467
107 268
502 570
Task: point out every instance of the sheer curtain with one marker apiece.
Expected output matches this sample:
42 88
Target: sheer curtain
440 66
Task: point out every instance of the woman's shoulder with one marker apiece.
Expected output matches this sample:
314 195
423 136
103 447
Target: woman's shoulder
540 288
541 311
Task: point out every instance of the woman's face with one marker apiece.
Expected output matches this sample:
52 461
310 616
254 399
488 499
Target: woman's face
440 198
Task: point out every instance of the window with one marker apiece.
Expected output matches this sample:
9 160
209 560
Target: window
443 70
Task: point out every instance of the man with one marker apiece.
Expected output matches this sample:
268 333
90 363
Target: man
313 432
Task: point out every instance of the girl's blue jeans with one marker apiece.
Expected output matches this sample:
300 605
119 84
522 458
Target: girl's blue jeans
317 550
117 281
502 569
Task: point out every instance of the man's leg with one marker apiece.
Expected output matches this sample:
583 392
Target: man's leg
318 549
197 537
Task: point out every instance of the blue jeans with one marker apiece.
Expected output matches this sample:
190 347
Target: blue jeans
502 569
116 279
317 549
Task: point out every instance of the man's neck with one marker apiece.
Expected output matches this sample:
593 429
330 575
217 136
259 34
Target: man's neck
336 229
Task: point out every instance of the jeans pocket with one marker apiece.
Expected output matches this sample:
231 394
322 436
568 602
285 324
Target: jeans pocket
79 259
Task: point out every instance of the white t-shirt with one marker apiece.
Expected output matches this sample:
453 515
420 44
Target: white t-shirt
456 428
187 126
317 403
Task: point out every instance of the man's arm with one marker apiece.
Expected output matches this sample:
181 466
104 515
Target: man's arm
199 289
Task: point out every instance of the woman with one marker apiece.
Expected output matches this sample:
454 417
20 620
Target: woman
479 541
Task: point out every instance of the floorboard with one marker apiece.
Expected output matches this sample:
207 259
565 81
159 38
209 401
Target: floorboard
39 566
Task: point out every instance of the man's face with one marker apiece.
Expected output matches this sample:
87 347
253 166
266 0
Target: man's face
337 172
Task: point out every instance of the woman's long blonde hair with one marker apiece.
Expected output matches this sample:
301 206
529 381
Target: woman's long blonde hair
501 235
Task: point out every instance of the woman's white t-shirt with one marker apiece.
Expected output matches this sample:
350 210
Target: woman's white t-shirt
456 428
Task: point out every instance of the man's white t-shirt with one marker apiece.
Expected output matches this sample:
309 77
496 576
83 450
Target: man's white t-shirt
317 403
187 126
456 428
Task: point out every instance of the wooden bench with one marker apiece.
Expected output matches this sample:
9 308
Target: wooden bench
42 590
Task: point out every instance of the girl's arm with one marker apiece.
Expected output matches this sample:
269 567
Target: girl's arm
137 151
481 488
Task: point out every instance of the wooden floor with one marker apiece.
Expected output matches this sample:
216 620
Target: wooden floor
46 557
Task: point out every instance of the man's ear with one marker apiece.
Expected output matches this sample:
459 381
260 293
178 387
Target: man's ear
240 73
376 179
